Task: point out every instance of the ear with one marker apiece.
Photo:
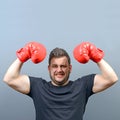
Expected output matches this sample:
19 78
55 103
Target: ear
70 67
48 67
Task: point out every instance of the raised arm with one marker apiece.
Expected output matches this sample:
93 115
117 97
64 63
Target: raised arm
106 79
15 80
34 51
87 51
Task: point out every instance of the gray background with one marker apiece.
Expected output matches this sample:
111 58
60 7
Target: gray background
59 23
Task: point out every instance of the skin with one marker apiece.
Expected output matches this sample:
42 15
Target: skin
59 70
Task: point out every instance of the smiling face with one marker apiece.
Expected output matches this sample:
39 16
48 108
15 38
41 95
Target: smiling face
59 70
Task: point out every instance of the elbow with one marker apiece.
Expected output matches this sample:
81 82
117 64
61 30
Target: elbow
115 79
111 81
6 80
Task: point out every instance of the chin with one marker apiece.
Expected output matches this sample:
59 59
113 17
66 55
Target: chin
61 82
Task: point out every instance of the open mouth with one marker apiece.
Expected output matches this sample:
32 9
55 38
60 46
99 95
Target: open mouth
59 75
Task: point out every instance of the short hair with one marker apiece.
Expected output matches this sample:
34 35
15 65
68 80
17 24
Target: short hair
57 53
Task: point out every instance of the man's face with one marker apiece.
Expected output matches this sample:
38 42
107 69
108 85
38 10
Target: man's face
59 70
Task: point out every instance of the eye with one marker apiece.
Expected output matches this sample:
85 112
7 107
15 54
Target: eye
54 66
63 66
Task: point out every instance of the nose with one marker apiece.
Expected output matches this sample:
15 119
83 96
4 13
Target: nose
59 69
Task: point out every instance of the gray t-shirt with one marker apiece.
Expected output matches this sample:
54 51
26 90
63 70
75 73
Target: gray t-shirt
61 102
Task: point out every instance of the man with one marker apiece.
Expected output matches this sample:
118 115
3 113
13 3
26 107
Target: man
61 98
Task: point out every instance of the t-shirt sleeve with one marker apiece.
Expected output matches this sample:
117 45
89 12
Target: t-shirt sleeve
34 83
89 84
31 85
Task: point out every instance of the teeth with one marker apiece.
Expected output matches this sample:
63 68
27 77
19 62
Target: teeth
59 74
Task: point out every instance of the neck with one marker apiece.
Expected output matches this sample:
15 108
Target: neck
60 83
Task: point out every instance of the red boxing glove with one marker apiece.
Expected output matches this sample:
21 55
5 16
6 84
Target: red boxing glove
96 54
81 53
33 50
85 51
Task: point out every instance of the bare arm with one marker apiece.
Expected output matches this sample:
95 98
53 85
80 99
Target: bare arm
15 80
106 79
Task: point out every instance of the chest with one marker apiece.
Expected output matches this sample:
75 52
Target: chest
65 98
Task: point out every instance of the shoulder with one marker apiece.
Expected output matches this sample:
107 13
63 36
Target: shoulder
85 81
36 85
36 80
86 78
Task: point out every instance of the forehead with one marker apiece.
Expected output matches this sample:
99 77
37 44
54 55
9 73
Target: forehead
60 60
